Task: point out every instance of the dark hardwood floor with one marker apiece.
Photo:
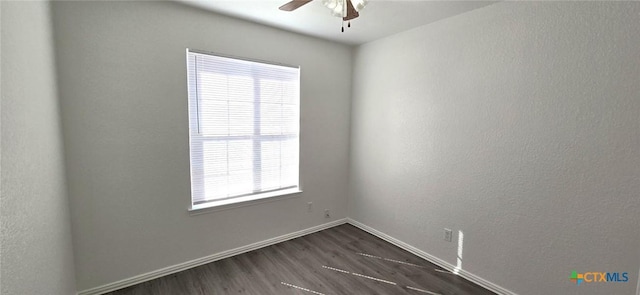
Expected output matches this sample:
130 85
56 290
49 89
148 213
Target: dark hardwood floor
339 260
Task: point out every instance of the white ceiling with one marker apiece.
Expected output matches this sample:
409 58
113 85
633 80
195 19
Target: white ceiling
377 20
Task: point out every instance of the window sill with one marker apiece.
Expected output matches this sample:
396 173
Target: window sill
243 201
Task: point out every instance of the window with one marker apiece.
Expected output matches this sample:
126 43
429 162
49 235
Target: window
244 129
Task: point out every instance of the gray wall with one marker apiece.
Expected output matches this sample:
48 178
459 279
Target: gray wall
36 234
518 124
124 103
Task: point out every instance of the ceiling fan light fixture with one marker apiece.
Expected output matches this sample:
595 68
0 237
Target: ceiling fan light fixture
346 10
338 7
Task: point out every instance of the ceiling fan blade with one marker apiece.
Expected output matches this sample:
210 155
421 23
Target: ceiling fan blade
293 5
351 12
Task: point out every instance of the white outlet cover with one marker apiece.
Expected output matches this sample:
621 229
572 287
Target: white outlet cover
448 235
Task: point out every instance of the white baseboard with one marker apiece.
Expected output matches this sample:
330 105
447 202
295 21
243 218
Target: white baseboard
435 260
204 260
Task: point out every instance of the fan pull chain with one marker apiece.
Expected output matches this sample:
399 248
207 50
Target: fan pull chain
348 25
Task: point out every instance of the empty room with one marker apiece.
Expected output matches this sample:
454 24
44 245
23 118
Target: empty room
320 147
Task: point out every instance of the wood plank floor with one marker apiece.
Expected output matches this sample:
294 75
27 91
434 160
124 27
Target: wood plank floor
339 260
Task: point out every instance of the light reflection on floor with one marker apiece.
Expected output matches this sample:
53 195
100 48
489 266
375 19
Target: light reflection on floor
368 277
456 269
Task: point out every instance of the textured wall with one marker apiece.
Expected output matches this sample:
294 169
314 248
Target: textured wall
36 234
517 123
124 103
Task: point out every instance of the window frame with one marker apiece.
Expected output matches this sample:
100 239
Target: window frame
199 139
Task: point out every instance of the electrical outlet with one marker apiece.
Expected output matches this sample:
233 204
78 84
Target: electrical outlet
448 235
310 207
327 214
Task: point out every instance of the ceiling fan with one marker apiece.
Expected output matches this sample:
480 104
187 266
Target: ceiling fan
341 8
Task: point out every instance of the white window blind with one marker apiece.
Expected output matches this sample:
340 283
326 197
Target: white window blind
244 127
